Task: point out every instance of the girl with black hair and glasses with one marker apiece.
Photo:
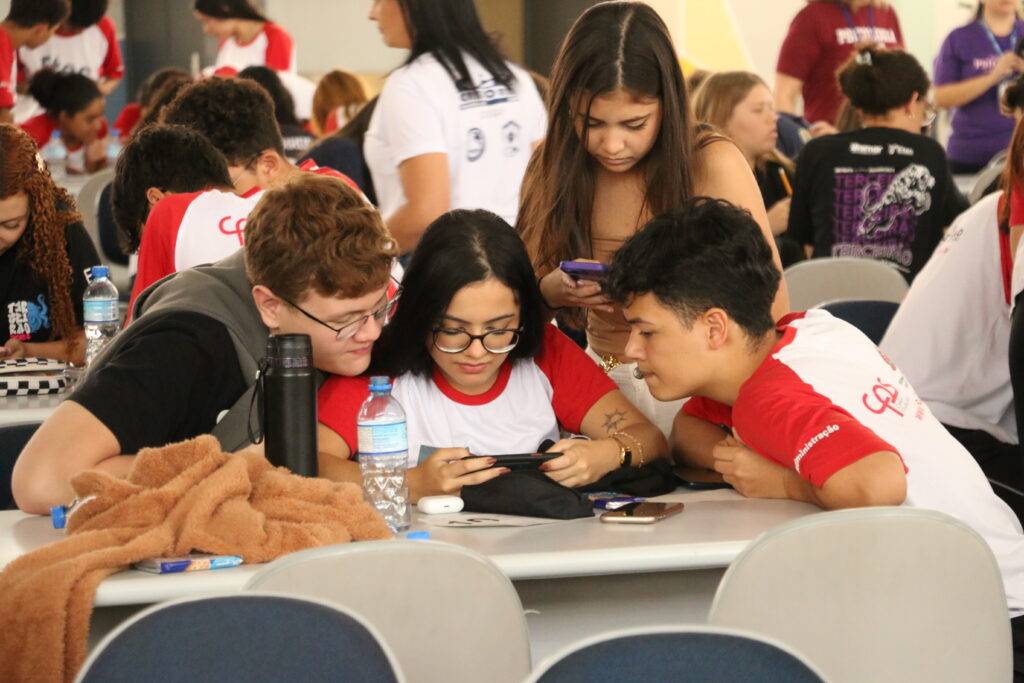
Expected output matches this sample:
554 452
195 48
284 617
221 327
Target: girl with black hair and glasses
479 371
454 126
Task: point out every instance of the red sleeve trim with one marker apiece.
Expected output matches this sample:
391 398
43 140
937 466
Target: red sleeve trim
1006 264
159 237
113 65
128 118
710 411
338 403
310 167
279 47
783 418
40 128
8 58
577 382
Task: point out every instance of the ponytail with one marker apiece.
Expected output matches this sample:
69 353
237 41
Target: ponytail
877 81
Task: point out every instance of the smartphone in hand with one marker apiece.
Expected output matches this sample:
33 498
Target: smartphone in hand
583 270
518 462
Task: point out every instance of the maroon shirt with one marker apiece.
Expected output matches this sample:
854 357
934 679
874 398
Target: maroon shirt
821 40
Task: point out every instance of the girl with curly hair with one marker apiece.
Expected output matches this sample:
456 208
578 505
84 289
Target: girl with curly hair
44 251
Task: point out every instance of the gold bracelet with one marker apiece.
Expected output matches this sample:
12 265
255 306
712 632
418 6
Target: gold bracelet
636 442
623 451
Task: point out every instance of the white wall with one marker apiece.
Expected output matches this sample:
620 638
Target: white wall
334 33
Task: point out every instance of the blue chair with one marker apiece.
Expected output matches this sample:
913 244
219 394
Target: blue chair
697 653
870 317
253 637
12 439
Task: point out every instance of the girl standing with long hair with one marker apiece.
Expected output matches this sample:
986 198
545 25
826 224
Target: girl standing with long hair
44 251
454 126
621 148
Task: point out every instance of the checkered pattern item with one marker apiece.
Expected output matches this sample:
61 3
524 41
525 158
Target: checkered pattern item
31 376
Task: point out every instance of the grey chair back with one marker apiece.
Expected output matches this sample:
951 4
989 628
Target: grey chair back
818 280
447 612
875 594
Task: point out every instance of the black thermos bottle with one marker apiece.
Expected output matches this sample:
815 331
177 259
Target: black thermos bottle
289 412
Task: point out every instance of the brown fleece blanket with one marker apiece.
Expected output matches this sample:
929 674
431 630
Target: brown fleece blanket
186 497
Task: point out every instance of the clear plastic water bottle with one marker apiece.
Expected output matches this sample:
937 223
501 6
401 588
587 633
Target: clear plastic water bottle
55 154
384 453
102 317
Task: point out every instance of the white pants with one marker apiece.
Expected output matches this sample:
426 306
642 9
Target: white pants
661 413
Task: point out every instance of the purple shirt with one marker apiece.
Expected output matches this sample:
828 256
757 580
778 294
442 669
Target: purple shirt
979 130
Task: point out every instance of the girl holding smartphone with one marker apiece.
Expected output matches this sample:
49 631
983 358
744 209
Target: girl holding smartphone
479 371
622 147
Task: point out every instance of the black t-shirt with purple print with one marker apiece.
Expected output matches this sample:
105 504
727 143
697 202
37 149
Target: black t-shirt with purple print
879 193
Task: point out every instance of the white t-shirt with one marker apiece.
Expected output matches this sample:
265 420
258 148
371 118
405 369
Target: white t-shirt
951 333
827 397
487 135
271 47
189 229
94 53
531 399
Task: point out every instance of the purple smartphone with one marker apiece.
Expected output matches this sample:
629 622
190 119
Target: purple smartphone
581 270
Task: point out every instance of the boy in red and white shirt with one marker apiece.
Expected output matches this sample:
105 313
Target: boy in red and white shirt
806 408
85 43
237 116
29 23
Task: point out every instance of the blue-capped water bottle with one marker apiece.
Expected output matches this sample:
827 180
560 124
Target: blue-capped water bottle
101 315
383 454
55 155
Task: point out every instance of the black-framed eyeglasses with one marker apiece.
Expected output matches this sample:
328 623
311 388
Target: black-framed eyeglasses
382 315
448 340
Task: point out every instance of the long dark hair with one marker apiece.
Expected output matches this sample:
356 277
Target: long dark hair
612 46
459 248
230 9
446 29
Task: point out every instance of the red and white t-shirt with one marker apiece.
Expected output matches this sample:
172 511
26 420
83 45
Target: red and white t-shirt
272 47
950 334
8 71
94 53
531 399
190 229
41 128
820 39
826 397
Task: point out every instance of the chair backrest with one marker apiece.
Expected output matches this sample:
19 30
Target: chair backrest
242 637
987 179
447 612
89 198
875 594
826 279
870 317
12 439
690 653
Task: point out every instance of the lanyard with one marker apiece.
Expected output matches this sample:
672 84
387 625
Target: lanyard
853 24
992 37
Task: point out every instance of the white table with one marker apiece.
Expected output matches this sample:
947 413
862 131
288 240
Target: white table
575 578
15 410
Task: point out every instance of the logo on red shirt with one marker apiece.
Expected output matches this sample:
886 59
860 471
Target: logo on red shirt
885 394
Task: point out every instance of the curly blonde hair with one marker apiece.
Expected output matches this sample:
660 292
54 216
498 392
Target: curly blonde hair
43 246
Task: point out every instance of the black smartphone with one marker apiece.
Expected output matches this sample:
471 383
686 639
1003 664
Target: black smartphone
700 480
519 462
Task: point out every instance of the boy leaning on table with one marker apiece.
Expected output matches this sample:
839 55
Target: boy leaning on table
186 364
816 412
